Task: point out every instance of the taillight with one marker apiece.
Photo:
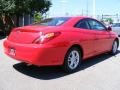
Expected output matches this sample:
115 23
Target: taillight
43 38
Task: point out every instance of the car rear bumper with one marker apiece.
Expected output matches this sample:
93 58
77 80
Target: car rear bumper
39 55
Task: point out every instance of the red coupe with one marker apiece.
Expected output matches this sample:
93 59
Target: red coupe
64 41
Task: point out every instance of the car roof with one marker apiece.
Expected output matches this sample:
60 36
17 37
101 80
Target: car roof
74 17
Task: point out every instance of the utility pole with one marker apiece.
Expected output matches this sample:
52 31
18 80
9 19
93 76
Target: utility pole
63 3
87 8
94 9
82 12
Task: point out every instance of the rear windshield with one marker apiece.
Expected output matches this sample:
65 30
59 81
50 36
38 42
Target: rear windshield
53 21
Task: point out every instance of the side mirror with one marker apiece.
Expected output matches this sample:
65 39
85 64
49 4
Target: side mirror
109 28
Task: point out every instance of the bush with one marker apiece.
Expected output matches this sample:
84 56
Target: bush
37 17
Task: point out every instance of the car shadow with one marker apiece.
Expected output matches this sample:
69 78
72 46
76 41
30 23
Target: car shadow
54 72
95 60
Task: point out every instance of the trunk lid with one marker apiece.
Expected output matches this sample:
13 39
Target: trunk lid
27 34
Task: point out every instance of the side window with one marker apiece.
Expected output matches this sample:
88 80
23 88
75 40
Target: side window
95 25
82 24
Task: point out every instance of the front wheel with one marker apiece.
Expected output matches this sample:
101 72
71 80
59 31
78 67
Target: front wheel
114 48
72 60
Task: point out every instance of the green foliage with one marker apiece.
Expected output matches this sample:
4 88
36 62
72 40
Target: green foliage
24 6
110 20
15 8
28 6
37 17
7 6
41 6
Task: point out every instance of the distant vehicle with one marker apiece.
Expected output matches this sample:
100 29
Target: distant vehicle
116 28
64 41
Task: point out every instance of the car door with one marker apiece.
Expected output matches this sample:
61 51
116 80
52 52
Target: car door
102 36
87 38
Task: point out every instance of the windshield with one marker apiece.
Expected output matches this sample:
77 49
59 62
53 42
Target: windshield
53 21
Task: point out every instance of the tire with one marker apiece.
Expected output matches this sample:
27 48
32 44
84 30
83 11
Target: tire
114 48
72 60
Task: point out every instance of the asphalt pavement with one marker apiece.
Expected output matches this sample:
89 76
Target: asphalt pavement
98 73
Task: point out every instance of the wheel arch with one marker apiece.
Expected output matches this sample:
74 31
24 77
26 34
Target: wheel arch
79 47
65 65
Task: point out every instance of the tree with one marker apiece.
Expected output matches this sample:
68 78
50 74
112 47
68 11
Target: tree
16 8
37 17
110 20
6 8
31 6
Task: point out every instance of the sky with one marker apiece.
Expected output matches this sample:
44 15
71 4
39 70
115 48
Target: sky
84 7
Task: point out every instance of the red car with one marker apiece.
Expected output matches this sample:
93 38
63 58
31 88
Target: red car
64 41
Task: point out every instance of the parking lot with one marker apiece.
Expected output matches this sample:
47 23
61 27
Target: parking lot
99 73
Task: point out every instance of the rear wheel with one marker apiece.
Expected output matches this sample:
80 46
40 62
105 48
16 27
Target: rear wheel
114 48
72 60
